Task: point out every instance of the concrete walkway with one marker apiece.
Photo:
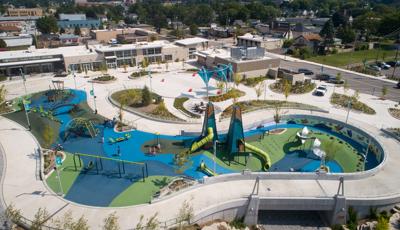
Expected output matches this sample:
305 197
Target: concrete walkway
23 189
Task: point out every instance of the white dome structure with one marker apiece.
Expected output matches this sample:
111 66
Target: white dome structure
305 131
317 143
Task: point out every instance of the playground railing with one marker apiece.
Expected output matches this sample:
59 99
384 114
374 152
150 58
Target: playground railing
149 116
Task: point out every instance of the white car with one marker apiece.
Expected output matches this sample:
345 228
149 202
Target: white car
320 90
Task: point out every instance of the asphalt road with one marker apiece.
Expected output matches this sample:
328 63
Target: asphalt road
357 82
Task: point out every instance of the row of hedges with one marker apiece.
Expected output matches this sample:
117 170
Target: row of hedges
141 73
178 104
233 93
343 100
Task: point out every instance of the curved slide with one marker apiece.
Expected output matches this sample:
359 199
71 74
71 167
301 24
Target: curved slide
207 170
261 153
196 145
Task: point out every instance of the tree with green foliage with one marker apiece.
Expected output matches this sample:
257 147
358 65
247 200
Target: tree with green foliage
338 19
47 24
3 44
13 214
194 29
287 87
347 34
111 222
287 43
151 224
277 114
383 223
259 90
328 33
146 96
352 221
384 91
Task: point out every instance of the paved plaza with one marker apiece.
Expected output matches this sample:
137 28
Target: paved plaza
22 187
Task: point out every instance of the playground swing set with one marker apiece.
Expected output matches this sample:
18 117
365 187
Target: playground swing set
96 163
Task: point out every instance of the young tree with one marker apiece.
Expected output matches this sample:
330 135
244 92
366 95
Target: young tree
237 79
146 96
103 68
259 90
193 29
220 86
13 214
40 218
345 86
3 93
277 115
3 44
384 92
185 214
287 87
125 66
328 33
356 96
47 24
111 222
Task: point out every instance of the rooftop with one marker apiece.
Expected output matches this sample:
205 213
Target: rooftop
139 45
226 54
191 41
257 38
71 51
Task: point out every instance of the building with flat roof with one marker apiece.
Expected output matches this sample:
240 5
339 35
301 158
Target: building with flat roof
249 40
77 20
134 54
247 62
130 35
17 41
24 12
192 45
81 58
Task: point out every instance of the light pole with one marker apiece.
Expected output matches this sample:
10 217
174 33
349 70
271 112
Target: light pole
215 156
149 73
26 108
73 72
94 98
23 79
58 162
348 110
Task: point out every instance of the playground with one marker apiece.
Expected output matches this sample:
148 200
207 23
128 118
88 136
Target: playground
104 167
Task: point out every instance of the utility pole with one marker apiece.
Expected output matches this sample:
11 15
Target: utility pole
27 109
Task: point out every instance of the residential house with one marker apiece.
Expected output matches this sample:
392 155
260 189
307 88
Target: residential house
311 41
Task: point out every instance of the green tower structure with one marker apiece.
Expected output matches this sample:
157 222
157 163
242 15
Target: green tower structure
235 138
209 122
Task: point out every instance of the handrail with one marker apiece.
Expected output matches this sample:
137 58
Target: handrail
108 158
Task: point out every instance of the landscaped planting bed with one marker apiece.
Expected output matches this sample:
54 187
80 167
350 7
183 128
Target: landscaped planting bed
253 105
253 81
178 104
298 88
395 113
233 93
104 78
343 101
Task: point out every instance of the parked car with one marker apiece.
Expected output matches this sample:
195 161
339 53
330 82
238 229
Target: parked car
305 71
374 67
383 65
320 91
398 84
335 80
393 63
323 76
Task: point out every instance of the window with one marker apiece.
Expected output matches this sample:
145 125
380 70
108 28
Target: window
108 54
157 50
168 57
119 54
127 53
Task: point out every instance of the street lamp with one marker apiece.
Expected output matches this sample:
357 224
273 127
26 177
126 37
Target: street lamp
94 98
348 110
215 155
23 79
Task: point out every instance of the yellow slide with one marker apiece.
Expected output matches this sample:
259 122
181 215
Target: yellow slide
207 170
203 141
261 153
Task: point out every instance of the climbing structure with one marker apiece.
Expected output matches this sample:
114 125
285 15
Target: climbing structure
209 122
81 127
235 138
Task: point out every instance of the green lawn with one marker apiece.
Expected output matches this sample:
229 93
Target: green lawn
67 174
140 192
343 59
277 145
238 163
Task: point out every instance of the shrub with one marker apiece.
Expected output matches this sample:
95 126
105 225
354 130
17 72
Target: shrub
146 96
238 223
104 78
3 78
233 93
298 88
253 81
343 100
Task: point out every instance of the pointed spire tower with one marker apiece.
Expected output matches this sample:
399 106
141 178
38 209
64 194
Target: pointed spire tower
235 138
209 121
